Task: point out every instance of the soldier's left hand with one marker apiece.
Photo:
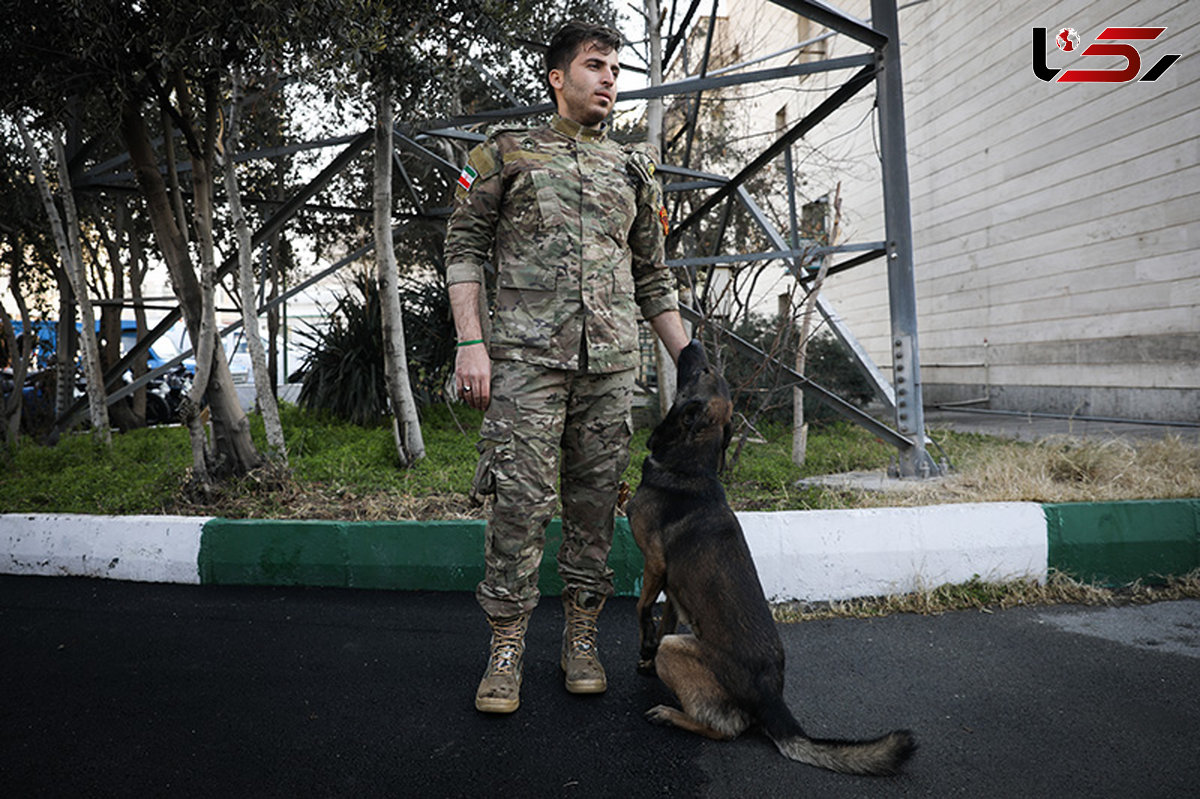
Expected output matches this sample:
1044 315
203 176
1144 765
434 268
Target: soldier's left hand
473 375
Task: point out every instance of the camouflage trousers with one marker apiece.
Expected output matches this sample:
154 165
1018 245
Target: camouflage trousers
537 415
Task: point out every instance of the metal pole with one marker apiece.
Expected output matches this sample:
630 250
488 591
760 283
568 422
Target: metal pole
906 368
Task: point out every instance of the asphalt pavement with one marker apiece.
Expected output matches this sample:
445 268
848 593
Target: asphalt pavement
133 689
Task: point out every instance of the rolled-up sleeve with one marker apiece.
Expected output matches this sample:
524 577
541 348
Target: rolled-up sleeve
472 226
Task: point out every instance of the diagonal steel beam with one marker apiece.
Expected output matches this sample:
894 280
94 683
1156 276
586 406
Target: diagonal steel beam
879 383
694 115
819 392
269 228
408 183
857 82
685 86
793 254
832 18
441 163
680 32
102 172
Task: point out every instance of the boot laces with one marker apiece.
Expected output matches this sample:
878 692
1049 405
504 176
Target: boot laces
508 641
583 630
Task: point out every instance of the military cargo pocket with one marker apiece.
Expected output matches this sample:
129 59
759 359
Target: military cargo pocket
528 277
494 438
549 205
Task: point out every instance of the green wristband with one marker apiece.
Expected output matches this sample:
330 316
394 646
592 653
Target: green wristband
469 343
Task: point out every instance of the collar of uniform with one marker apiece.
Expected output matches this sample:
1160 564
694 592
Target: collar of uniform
573 130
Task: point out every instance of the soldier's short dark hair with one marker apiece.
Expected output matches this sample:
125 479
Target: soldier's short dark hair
572 36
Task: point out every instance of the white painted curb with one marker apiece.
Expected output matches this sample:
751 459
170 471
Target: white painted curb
161 549
844 554
805 555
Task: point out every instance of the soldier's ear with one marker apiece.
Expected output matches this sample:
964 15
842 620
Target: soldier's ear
557 78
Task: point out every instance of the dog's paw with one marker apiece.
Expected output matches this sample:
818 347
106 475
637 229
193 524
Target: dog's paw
646 668
661 714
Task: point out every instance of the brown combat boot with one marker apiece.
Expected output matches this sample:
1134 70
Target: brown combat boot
580 657
500 689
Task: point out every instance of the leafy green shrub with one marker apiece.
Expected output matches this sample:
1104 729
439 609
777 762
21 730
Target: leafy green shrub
140 473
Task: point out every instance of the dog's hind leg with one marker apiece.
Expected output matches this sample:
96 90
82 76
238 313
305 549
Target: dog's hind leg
707 708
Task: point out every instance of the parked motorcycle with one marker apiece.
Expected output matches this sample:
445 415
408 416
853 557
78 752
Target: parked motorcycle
164 395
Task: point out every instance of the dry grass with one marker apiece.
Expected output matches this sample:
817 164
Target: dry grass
265 494
986 597
1058 469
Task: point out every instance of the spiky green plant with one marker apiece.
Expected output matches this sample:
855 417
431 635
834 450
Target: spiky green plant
343 370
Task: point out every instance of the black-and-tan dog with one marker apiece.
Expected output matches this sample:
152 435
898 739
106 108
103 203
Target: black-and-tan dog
728 673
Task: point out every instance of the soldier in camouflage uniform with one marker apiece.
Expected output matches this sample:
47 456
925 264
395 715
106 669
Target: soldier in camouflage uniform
574 224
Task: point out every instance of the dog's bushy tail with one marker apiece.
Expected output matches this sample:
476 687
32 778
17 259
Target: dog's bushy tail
879 757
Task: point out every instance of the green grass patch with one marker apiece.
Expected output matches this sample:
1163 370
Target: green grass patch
764 477
324 449
140 473
341 470
344 470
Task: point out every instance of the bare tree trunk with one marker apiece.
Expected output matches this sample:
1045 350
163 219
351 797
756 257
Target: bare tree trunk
94 374
231 429
205 343
66 237
799 426
264 379
67 344
19 355
406 426
173 176
206 339
664 367
234 449
137 274
273 265
122 413
654 106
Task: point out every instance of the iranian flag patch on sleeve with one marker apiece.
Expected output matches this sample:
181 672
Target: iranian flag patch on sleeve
467 177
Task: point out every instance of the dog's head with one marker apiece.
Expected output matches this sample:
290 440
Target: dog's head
696 431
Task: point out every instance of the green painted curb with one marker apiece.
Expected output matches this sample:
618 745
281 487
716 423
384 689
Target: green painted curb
1112 543
1116 543
435 556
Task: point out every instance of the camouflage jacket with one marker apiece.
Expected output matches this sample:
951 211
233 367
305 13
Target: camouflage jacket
575 225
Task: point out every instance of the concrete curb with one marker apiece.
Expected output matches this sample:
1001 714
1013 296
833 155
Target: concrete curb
807 555
155 549
844 554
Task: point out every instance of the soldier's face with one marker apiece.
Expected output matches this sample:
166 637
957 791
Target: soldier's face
587 89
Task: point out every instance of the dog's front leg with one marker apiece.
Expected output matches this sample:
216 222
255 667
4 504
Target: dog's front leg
670 618
653 581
